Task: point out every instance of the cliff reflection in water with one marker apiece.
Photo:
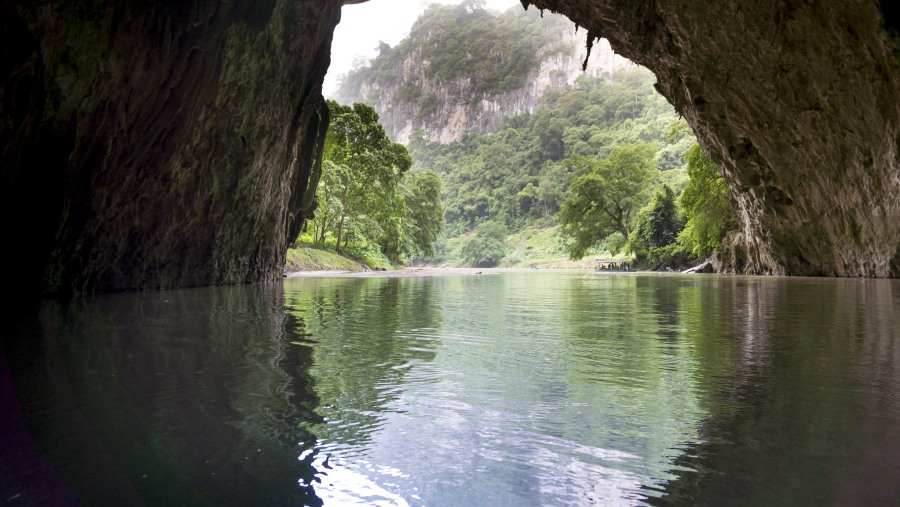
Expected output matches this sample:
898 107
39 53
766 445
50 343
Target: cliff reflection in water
804 405
515 389
173 398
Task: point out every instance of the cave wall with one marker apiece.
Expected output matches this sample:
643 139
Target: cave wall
161 144
798 102
158 144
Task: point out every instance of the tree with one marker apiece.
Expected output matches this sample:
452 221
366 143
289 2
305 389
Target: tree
486 246
422 192
706 202
328 206
362 169
657 225
387 223
663 222
606 199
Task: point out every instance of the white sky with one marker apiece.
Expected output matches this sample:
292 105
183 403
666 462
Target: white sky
363 25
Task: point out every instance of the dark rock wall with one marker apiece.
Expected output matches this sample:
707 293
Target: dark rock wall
799 102
158 144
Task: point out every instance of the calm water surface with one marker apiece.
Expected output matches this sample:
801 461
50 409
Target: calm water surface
514 389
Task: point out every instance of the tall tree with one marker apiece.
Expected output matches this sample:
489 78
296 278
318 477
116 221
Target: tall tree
363 167
485 247
605 200
663 222
657 225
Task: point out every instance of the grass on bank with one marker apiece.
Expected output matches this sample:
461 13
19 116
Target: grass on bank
540 246
307 255
537 246
310 258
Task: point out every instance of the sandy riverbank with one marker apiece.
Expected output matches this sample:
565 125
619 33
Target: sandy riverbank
414 272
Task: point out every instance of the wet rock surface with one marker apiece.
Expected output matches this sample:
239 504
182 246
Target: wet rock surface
158 144
799 103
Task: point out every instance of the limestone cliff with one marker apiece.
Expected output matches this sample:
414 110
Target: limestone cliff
414 91
158 144
798 101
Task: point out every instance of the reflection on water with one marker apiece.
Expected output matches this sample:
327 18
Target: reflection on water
516 389
810 412
172 398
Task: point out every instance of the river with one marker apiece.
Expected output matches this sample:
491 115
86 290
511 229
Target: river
518 389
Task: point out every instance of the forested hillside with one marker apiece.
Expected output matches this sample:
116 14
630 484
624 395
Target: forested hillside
520 176
592 165
464 68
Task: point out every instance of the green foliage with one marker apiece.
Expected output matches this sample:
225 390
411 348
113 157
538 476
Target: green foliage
408 92
537 241
367 200
616 243
706 203
357 141
428 105
657 226
369 254
673 254
422 192
606 199
318 258
522 173
486 246
663 221
360 175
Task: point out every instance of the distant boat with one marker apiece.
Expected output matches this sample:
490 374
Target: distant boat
614 266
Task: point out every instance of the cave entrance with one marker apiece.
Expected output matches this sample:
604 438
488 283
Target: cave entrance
507 107
778 113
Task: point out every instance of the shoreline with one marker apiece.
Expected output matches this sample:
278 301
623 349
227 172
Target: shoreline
427 271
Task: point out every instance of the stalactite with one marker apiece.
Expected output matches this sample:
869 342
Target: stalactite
591 37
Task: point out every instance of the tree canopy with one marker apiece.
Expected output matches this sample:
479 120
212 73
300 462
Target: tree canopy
362 167
422 192
485 246
365 193
605 200
657 227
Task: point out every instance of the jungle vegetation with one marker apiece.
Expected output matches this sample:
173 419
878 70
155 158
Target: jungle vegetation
602 167
369 205
600 164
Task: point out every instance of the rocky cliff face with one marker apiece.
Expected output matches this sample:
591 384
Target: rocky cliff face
444 107
158 144
799 102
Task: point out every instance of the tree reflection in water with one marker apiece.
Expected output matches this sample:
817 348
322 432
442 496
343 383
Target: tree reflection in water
520 388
